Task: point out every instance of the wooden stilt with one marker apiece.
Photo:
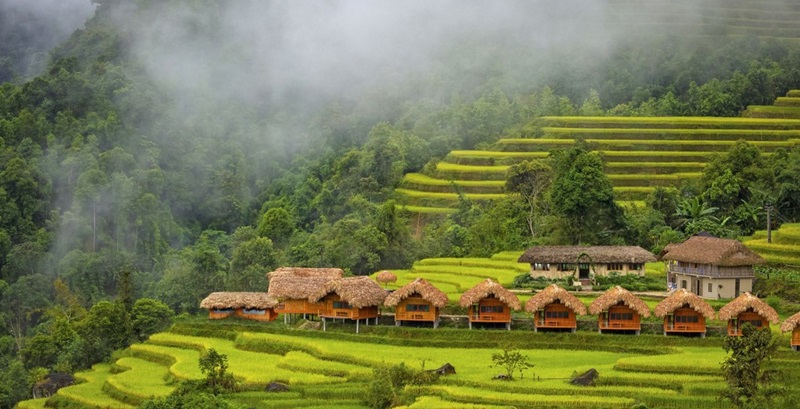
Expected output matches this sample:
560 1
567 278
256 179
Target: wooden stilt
324 324
470 325
357 321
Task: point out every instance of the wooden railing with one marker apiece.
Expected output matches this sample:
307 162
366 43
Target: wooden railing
713 271
556 324
684 327
620 325
490 317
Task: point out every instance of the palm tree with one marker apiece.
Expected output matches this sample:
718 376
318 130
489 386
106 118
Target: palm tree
694 209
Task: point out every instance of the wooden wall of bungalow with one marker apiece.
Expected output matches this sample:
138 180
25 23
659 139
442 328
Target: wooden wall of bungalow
753 318
796 339
298 306
555 316
685 320
490 309
332 306
220 313
619 317
416 308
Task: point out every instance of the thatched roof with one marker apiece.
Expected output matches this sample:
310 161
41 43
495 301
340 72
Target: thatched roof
791 323
554 293
616 295
489 288
259 301
745 302
598 254
683 297
426 290
296 283
715 251
385 276
359 291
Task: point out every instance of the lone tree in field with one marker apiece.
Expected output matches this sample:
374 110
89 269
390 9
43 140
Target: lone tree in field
748 381
511 360
215 367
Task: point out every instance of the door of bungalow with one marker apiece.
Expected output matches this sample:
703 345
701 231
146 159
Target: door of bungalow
584 267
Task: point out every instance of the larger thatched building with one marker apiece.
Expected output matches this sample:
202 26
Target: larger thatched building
292 286
489 302
555 308
793 324
747 308
712 267
684 313
252 306
417 301
353 298
582 262
619 310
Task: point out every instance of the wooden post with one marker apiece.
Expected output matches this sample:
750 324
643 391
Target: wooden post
357 321
324 324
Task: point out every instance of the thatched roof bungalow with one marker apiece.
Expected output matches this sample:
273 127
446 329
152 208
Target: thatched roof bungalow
250 305
793 324
555 308
684 312
418 300
618 309
712 267
489 302
292 286
747 308
583 261
353 298
385 277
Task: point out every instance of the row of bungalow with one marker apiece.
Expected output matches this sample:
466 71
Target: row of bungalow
325 293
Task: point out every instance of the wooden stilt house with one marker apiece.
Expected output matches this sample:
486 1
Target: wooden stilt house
619 310
292 286
251 306
684 313
352 298
417 301
555 308
489 302
747 308
793 324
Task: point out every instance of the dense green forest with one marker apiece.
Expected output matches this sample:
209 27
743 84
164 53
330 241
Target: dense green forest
126 197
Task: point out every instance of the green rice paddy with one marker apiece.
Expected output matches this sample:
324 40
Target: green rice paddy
784 248
331 370
639 153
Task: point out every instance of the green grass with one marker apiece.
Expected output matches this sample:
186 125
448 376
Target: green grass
32 404
456 168
435 402
421 179
788 101
449 196
795 93
773 112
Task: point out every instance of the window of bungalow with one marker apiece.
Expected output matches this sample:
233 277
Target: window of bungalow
223 310
418 307
614 266
541 266
621 316
492 308
687 319
566 267
556 314
755 323
709 287
254 311
341 305
635 266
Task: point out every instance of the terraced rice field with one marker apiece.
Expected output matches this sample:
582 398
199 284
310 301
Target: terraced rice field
785 246
639 153
332 369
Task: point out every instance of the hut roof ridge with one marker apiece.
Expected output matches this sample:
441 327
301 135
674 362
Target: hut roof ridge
359 291
598 254
713 250
683 297
296 283
553 293
614 296
426 290
791 323
259 300
486 288
748 301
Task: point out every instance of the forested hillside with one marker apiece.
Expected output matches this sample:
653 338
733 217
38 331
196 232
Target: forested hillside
171 149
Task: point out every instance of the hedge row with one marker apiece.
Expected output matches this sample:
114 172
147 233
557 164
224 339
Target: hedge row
688 122
673 134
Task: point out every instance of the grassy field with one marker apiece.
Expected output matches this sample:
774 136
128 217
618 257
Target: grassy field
332 369
785 246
